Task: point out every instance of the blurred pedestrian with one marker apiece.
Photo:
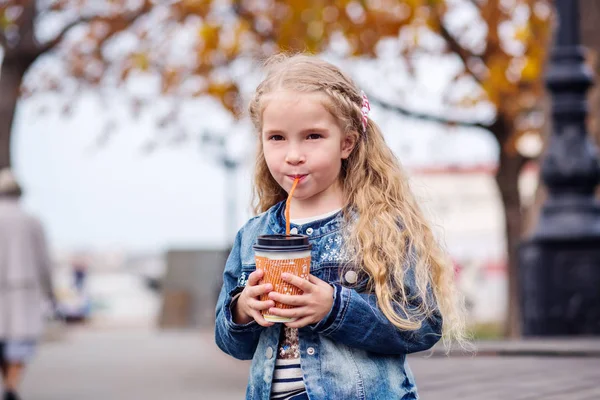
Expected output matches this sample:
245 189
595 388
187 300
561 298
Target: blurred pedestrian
80 270
25 282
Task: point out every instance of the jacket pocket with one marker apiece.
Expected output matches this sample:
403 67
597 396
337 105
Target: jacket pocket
347 275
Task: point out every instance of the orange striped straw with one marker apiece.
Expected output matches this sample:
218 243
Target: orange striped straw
287 206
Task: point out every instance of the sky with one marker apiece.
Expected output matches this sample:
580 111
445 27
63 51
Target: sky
115 196
118 197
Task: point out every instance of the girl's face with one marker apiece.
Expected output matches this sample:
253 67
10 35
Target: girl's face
300 138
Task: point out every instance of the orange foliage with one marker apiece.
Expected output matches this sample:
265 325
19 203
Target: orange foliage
511 58
507 64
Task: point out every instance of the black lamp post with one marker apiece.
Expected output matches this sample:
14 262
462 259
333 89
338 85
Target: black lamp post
560 262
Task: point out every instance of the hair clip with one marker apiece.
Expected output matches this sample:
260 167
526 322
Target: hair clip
365 108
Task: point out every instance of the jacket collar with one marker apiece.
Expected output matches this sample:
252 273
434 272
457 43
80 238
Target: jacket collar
313 229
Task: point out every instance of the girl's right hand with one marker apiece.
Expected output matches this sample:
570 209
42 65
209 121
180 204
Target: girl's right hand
248 306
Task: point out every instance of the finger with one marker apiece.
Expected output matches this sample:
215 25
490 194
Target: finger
296 312
291 300
300 323
260 305
300 283
255 291
255 277
257 315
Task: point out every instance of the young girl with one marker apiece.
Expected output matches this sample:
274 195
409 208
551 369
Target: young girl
380 286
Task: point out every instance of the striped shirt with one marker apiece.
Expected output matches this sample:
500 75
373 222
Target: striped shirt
288 380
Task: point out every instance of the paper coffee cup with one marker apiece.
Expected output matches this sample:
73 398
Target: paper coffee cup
275 254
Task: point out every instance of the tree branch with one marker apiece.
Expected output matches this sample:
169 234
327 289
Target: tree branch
460 51
475 4
127 21
59 38
456 47
244 14
426 117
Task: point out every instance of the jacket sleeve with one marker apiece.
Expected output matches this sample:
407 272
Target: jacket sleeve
356 321
238 341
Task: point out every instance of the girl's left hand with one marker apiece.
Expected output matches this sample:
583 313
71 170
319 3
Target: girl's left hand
310 307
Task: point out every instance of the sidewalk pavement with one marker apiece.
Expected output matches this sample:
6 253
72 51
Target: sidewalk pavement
173 365
536 347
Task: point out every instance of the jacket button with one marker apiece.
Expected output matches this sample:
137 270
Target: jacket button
269 352
294 231
310 351
351 277
309 231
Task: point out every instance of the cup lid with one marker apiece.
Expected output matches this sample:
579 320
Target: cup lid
282 243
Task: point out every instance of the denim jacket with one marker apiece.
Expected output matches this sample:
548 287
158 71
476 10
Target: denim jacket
353 353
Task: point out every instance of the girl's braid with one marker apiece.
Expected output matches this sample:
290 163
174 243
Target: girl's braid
349 102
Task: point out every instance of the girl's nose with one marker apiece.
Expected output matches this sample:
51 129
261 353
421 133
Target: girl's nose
294 157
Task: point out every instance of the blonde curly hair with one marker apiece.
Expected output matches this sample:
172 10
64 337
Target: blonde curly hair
376 190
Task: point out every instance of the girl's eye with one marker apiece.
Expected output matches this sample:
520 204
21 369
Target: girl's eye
276 137
314 136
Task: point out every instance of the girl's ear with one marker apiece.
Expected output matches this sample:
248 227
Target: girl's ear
348 143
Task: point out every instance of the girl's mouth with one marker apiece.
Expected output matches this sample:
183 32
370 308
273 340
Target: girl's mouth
300 177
